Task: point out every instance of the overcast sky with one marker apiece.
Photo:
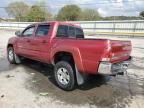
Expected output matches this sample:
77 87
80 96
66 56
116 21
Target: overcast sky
104 7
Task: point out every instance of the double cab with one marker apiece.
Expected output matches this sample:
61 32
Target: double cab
73 56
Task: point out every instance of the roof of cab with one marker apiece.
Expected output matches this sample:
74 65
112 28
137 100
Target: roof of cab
61 22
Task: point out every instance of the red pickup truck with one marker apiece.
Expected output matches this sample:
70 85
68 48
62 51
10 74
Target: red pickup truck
63 45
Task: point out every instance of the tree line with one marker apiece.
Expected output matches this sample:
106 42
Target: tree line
38 12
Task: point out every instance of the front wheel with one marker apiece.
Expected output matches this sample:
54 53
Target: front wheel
12 57
64 75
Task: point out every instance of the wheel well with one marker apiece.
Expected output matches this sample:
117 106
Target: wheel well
64 56
9 45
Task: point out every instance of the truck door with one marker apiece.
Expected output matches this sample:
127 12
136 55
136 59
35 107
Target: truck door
40 42
23 43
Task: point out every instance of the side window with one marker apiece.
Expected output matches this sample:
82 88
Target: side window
79 33
62 31
42 30
28 32
71 32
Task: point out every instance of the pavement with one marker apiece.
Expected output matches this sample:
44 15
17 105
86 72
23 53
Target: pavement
31 84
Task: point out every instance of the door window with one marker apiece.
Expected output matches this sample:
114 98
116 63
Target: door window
62 31
28 32
42 30
79 33
71 32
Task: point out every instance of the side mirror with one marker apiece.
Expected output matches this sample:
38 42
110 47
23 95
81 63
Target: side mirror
18 33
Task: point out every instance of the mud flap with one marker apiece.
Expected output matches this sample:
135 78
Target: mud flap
81 77
17 59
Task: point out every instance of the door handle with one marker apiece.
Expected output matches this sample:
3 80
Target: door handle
28 40
44 41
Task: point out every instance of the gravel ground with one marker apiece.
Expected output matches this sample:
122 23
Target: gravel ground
31 84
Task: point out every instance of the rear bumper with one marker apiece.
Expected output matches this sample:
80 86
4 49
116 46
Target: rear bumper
112 69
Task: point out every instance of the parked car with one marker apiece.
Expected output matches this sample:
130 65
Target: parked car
63 45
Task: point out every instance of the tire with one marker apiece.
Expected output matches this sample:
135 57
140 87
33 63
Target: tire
12 57
64 76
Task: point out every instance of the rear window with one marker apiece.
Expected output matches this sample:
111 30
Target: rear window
42 30
62 31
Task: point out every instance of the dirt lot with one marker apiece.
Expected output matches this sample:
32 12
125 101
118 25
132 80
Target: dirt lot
31 84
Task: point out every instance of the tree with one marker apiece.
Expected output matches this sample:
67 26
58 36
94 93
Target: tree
69 13
142 14
44 7
17 10
89 15
36 13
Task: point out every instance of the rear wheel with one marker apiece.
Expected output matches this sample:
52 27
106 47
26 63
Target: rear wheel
64 75
12 57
